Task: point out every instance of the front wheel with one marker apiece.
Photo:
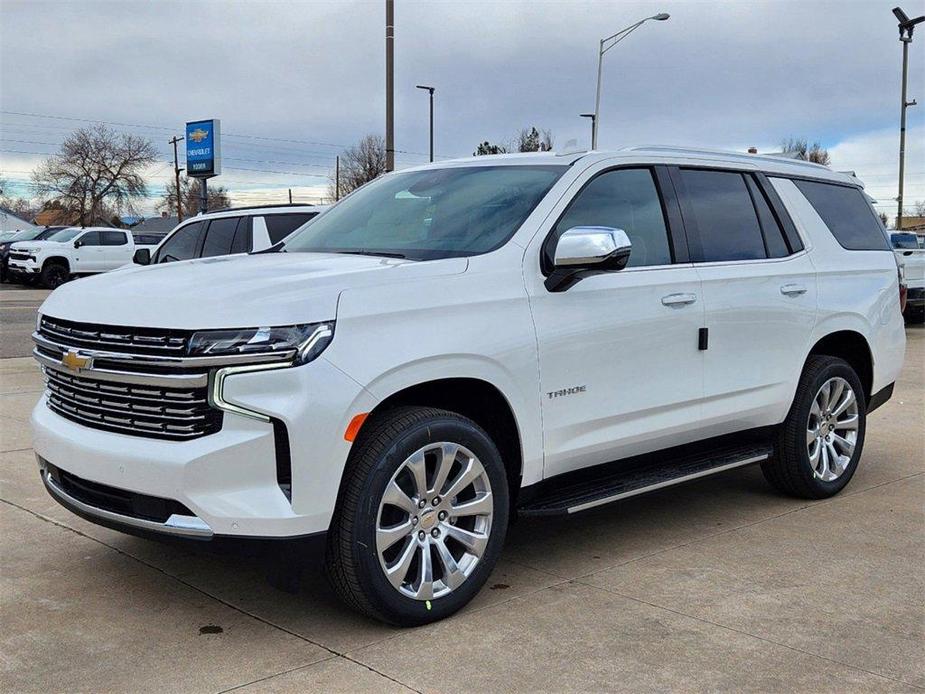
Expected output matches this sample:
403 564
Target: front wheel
820 442
54 275
421 517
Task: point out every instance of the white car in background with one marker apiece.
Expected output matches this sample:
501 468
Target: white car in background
226 232
909 248
71 252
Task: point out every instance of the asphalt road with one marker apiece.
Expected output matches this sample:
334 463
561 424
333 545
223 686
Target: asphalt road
718 585
18 305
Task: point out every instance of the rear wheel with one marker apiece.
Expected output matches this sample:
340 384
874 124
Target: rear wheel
820 442
54 275
421 518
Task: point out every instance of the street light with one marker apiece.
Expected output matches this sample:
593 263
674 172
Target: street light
614 39
593 121
906 27
431 90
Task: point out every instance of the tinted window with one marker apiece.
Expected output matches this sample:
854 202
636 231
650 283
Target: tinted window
241 243
847 214
113 238
773 234
219 237
148 239
91 238
904 241
279 226
625 199
432 213
182 245
723 215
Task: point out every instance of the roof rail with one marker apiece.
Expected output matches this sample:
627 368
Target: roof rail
726 154
263 207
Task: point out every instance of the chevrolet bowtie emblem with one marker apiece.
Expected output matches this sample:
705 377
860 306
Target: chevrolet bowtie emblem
75 362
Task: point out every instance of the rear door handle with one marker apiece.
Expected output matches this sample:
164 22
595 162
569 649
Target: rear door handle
679 299
792 289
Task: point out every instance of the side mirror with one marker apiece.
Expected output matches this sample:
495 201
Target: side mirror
142 256
584 251
77 244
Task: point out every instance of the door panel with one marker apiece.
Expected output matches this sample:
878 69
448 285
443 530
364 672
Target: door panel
620 368
634 360
116 250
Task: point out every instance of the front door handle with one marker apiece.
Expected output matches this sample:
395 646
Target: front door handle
679 299
792 289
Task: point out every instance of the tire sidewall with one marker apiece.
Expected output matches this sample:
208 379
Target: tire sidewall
394 606
50 273
835 368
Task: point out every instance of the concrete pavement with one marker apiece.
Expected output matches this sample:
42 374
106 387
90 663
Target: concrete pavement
717 585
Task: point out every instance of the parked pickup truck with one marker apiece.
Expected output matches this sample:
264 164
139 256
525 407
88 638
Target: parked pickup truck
910 253
72 251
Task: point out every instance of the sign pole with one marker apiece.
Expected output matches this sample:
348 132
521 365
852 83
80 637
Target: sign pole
203 196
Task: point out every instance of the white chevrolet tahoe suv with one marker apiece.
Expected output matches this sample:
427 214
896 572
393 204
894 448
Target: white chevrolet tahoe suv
72 251
453 345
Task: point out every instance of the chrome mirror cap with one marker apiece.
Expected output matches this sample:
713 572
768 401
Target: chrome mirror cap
589 246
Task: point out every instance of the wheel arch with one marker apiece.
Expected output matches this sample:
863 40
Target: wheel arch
56 260
480 401
854 348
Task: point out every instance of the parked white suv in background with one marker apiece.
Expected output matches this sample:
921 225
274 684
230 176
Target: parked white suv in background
226 232
910 253
451 345
71 251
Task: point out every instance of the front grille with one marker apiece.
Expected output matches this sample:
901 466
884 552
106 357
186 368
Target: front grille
120 501
109 338
17 255
166 413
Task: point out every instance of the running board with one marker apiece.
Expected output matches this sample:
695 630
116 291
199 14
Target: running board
636 480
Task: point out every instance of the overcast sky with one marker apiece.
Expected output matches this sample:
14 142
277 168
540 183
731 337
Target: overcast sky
717 74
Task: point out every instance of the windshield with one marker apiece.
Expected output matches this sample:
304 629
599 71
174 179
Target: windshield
26 235
65 234
436 213
904 241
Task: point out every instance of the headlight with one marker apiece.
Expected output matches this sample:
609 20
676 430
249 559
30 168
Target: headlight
308 341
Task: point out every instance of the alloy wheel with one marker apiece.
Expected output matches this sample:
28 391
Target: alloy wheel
832 429
434 521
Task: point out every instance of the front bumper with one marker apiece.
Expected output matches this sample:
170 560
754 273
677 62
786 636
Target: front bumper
228 480
23 267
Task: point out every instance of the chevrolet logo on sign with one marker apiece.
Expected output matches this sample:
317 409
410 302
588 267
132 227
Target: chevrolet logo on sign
76 362
198 135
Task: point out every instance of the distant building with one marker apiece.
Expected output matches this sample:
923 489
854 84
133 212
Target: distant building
913 223
10 222
160 225
56 216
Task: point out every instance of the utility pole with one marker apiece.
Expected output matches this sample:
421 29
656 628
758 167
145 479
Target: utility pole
389 85
906 27
176 174
431 91
290 196
336 178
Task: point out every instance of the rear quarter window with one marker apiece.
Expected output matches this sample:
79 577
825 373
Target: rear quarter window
847 214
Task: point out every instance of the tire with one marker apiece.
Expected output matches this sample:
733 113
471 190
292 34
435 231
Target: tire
356 564
54 275
792 470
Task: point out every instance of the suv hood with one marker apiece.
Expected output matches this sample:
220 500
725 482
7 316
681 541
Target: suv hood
232 291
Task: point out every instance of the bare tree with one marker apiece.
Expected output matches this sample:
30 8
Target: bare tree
487 147
883 218
20 206
533 140
918 208
96 167
360 164
189 197
798 148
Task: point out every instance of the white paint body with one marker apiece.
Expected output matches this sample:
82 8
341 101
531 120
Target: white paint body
487 317
85 260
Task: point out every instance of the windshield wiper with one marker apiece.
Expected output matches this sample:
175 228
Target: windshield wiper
384 254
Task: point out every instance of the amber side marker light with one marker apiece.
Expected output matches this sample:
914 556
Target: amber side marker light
354 427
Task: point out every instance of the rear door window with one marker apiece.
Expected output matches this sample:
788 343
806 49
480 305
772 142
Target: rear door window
113 238
773 234
182 245
241 241
847 214
719 209
279 226
220 236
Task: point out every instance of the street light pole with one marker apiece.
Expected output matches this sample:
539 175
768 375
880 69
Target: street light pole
431 90
614 39
906 27
389 85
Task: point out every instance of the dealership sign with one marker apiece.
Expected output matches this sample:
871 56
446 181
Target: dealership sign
204 148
